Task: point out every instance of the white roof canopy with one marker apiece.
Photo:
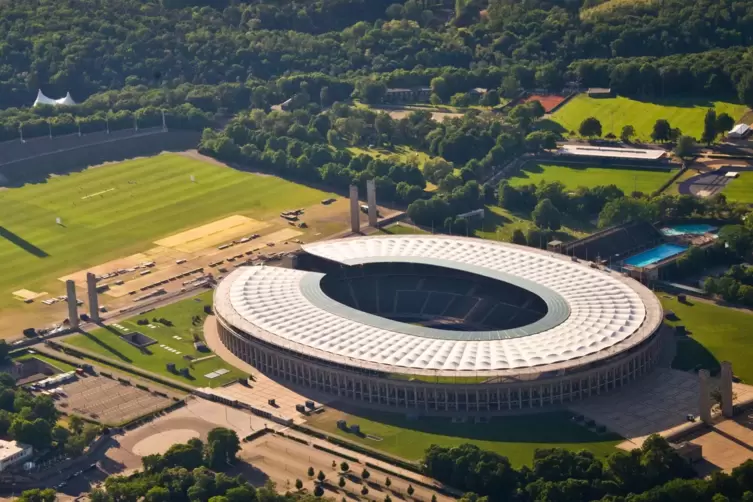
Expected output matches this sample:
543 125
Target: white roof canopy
44 100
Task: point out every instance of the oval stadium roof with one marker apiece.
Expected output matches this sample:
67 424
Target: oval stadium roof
598 313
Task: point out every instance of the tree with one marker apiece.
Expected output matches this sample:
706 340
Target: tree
410 490
364 490
626 209
38 495
387 482
344 467
75 424
590 127
490 98
662 131
157 494
318 490
685 147
370 91
541 140
433 497
222 448
545 215
341 483
311 472
460 99
709 128
365 474
724 123
627 133
510 87
440 88
745 89
518 237
298 484
436 169
321 477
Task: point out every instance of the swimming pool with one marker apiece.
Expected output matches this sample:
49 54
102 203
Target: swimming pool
692 229
655 255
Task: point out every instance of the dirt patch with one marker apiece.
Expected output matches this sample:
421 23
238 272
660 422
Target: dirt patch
159 443
26 295
549 102
212 234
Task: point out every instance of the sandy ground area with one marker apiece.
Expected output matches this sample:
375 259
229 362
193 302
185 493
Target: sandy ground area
212 234
283 461
159 443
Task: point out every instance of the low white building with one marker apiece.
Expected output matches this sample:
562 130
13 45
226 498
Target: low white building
739 131
13 452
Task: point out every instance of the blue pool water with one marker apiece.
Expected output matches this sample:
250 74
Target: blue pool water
692 229
654 255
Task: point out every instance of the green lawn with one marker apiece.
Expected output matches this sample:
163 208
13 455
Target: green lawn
515 436
499 225
627 180
401 229
53 362
613 113
117 210
740 189
108 343
716 334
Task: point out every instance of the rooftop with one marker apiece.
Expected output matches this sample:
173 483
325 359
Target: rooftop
611 152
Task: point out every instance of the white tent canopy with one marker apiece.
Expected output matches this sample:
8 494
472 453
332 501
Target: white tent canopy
44 100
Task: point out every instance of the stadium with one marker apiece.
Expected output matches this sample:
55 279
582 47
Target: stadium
441 324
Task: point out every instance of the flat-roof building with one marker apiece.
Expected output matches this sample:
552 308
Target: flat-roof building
610 152
13 452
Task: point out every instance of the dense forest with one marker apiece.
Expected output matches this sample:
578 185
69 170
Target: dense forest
53 45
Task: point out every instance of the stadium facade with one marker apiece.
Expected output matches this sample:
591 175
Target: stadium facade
441 324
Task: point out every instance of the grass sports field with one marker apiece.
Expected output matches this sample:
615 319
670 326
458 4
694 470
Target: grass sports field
613 113
716 334
117 210
516 436
108 343
740 189
627 180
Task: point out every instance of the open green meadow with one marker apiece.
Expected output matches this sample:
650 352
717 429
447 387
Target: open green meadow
716 334
613 113
62 366
500 224
740 189
515 436
627 180
119 209
180 337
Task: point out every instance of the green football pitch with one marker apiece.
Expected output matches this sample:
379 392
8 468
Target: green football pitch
613 113
117 210
740 189
172 343
516 436
627 180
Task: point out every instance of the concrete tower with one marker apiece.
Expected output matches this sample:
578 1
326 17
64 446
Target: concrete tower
704 397
371 198
355 217
70 288
725 386
91 289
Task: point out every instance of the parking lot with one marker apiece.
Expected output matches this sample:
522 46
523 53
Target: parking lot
108 401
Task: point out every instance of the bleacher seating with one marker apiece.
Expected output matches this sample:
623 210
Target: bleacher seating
432 296
615 243
410 302
460 307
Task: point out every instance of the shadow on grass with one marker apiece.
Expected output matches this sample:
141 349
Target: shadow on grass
691 355
108 348
551 427
19 241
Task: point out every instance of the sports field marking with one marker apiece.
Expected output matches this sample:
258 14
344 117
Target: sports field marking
25 294
211 234
98 193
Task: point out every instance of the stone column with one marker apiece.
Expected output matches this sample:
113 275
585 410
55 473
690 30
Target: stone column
70 288
355 217
725 386
91 287
704 399
371 199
